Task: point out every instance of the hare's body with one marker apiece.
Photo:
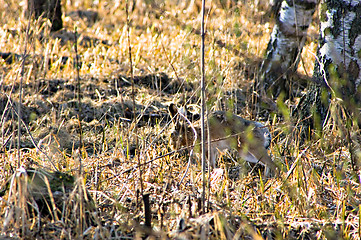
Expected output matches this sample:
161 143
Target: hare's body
227 131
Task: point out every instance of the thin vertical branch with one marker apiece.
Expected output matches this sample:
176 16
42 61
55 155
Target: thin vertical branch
77 66
21 88
133 94
130 59
203 136
209 164
79 180
19 106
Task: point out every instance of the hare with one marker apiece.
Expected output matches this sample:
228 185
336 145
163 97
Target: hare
227 131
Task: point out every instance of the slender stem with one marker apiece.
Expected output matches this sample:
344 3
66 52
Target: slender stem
21 89
133 95
77 66
19 107
203 136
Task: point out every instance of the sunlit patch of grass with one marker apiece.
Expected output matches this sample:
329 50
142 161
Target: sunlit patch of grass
318 192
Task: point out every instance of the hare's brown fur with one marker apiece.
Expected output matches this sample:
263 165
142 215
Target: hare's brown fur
227 131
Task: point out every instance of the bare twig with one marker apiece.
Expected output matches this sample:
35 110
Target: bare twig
21 88
133 93
203 106
77 68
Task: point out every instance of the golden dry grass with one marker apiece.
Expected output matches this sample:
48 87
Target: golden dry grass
317 197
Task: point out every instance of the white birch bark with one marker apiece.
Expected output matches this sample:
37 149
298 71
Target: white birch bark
286 43
337 72
338 62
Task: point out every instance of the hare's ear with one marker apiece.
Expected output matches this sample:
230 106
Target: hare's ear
173 110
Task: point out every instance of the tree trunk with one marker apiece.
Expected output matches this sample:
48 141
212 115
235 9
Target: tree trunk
285 45
337 71
338 62
50 9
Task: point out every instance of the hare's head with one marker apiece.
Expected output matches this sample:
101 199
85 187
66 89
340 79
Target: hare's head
182 134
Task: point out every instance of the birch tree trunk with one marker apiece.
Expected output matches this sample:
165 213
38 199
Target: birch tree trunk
339 53
338 62
337 72
285 45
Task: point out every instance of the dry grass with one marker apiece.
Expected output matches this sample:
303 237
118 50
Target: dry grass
317 197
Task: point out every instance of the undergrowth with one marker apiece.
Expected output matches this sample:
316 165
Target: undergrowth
316 197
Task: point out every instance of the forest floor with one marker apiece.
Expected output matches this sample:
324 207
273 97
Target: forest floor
104 157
